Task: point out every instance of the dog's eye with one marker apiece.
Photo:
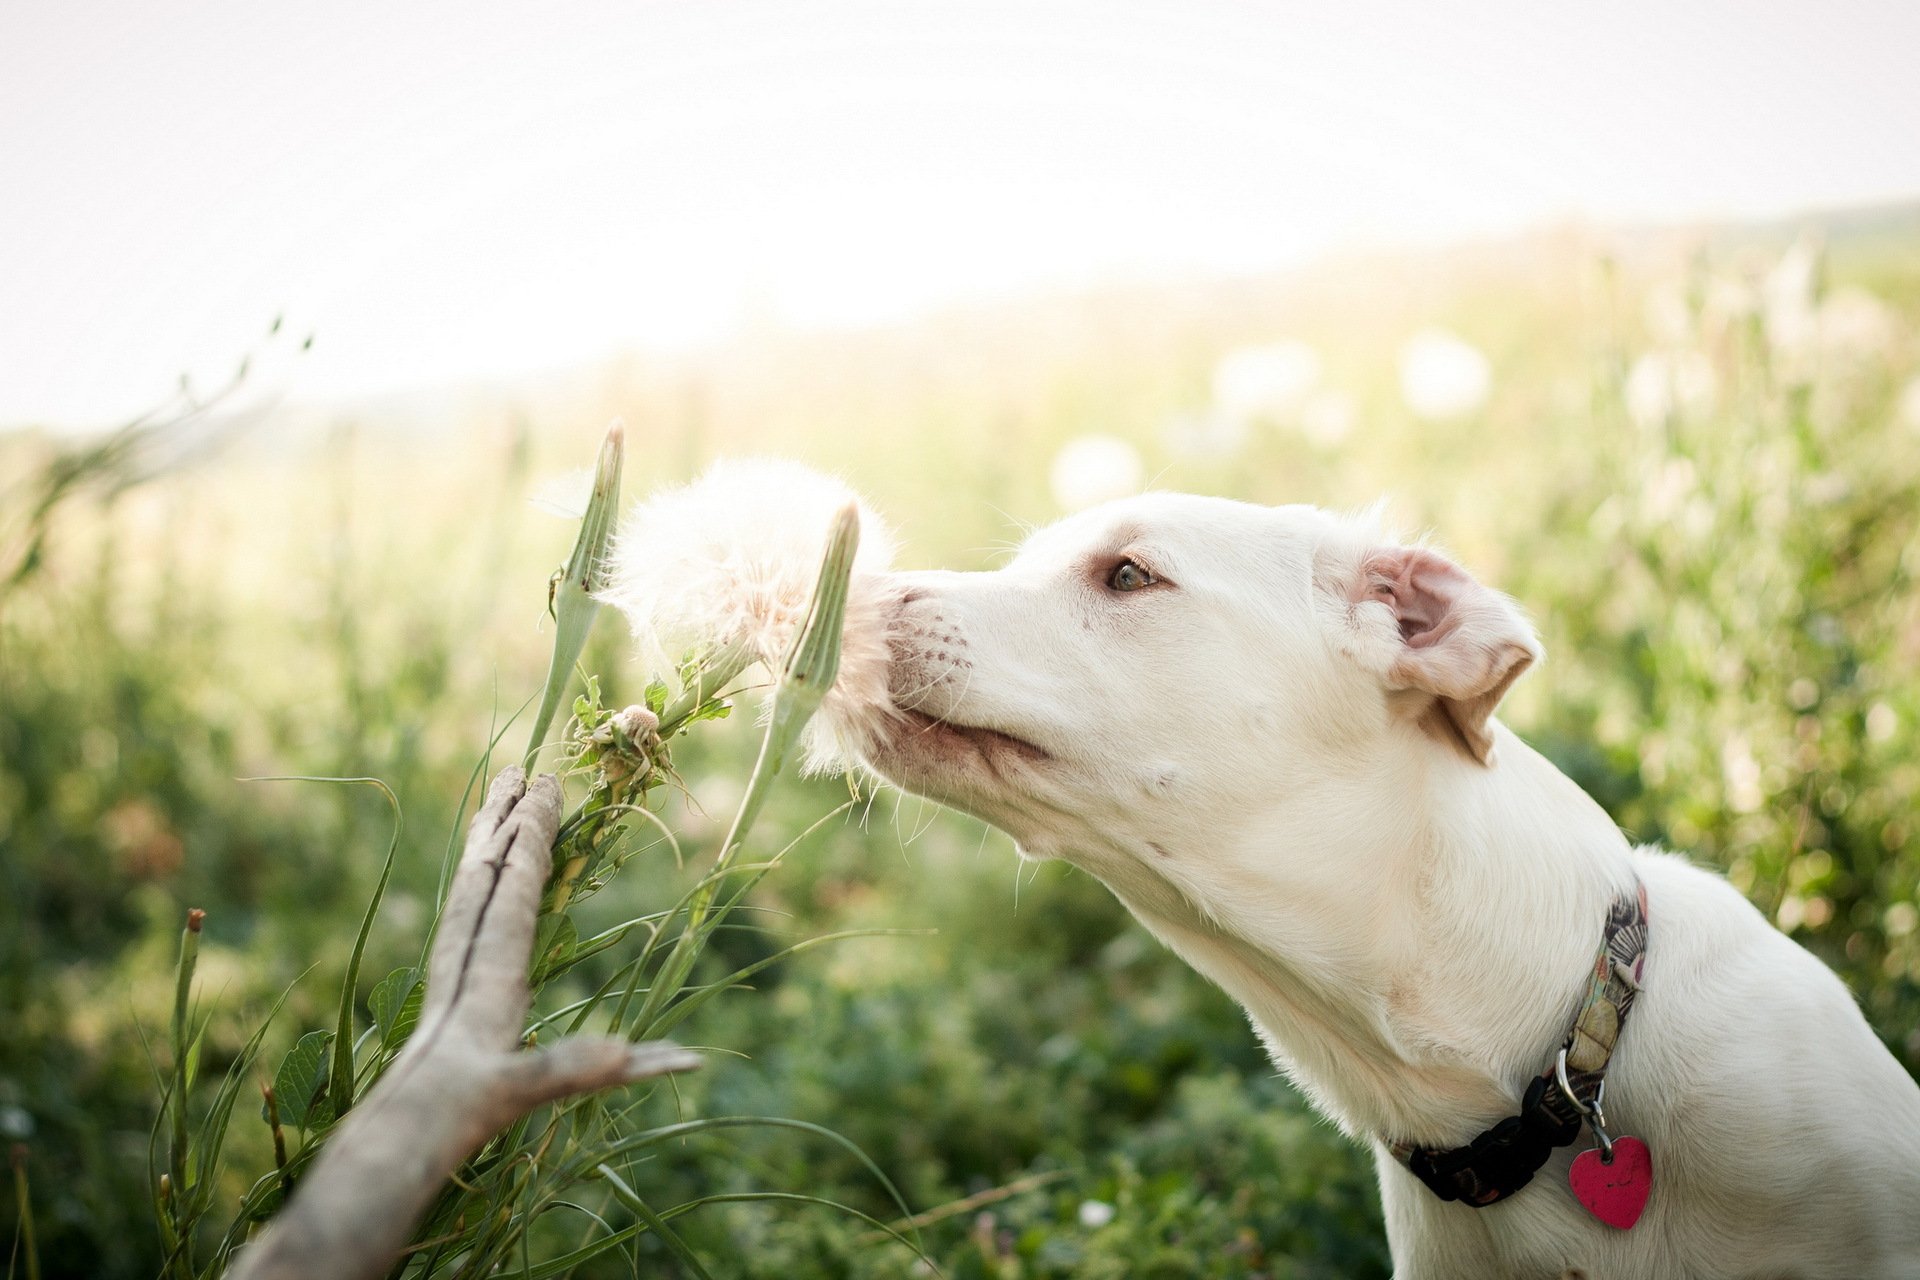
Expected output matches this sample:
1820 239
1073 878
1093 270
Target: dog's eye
1128 576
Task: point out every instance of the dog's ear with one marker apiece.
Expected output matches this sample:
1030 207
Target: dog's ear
1460 641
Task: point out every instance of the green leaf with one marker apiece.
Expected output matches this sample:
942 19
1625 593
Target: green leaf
300 1086
655 695
267 1205
341 1082
192 1069
395 1004
553 945
714 709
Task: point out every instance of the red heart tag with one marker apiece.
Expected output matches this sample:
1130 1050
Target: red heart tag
1614 1193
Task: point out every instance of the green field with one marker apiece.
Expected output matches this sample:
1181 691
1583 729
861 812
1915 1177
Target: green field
1697 467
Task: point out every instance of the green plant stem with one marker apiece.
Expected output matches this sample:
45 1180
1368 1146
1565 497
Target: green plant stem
24 1242
715 672
179 1199
811 667
574 607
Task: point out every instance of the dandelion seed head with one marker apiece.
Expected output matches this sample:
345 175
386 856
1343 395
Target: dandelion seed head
1669 317
1090 470
1856 325
733 559
1207 436
1443 376
1663 385
1328 417
1269 382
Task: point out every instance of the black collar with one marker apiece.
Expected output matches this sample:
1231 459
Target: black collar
1504 1158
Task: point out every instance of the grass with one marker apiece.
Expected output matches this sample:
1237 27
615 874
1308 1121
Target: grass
571 1153
1726 593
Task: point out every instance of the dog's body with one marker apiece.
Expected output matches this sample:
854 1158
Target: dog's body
1271 738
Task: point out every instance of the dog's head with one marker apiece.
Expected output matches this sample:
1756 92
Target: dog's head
1169 667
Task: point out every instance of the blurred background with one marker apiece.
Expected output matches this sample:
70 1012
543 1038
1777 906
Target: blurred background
308 319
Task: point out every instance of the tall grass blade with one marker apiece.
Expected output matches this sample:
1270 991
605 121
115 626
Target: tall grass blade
655 1223
340 1084
176 1189
24 1248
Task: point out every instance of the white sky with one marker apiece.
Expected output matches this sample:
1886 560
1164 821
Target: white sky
447 191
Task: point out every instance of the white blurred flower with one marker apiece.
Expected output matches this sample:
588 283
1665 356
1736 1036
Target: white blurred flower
1853 323
1090 470
1791 913
1824 488
1728 299
1266 383
1787 299
1095 1214
1208 436
733 558
1908 408
1742 774
1666 384
1667 490
1669 319
1443 376
1328 417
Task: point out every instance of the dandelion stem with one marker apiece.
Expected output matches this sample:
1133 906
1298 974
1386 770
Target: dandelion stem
810 669
573 604
812 665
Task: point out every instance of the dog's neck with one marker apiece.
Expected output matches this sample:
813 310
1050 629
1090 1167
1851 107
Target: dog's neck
1412 969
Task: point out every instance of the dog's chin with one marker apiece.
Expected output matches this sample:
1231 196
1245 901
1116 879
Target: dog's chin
978 769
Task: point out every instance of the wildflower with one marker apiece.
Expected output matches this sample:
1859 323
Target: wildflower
1327 417
1265 383
1741 771
1853 324
730 563
1090 470
1788 296
625 744
1095 1214
1729 300
1908 410
1808 326
1443 376
1669 319
1209 436
1663 385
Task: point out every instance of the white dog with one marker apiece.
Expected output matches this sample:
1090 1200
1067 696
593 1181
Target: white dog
1270 733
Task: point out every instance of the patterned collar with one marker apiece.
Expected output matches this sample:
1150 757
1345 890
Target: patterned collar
1503 1159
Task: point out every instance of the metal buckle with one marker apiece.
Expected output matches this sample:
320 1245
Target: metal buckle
1594 1112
